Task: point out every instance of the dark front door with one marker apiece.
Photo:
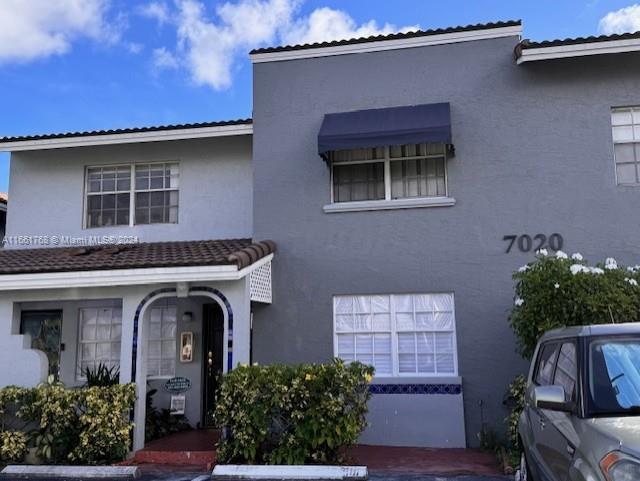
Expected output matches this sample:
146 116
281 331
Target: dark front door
44 328
212 352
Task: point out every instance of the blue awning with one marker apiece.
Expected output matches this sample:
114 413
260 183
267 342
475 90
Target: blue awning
391 126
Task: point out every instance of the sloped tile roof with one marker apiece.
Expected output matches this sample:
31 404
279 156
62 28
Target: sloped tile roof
131 130
238 252
526 43
393 36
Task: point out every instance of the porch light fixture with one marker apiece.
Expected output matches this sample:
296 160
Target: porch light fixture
187 317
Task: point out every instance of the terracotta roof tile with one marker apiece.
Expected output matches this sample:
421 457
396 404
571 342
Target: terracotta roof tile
130 130
238 252
392 36
527 44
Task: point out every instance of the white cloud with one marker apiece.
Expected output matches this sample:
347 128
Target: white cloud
211 45
163 59
624 20
135 47
157 11
329 24
40 28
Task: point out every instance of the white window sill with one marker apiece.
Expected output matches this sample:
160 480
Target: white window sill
389 204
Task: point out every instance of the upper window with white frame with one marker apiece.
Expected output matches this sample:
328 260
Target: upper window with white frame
625 124
389 173
399 335
132 194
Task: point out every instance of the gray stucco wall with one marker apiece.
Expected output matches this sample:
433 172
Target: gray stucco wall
46 189
533 155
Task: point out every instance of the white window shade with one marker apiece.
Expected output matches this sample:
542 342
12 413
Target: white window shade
100 332
625 125
399 335
161 340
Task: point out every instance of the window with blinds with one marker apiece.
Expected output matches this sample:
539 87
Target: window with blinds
100 332
132 194
625 124
387 173
399 335
161 339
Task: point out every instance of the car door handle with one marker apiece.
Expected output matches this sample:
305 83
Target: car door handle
571 450
542 423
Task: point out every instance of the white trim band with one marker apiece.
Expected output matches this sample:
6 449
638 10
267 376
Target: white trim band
126 277
308 472
579 50
391 44
389 204
129 138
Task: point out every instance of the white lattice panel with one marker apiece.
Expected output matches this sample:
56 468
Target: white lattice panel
260 284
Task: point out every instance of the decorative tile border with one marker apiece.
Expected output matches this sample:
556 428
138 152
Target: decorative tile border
454 389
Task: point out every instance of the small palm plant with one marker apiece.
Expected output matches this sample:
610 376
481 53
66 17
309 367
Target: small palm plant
102 375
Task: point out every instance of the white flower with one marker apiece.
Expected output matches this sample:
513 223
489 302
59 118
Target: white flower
577 256
556 285
596 270
632 282
610 263
518 302
542 252
524 268
631 269
577 268
561 255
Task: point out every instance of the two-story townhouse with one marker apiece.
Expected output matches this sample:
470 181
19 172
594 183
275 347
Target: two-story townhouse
395 172
133 249
403 178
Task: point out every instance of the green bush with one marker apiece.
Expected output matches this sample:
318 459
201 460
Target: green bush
515 402
303 414
13 446
83 426
557 291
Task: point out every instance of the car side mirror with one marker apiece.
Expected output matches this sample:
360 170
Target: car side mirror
552 398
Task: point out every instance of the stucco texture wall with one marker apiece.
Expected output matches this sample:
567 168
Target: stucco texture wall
215 192
534 155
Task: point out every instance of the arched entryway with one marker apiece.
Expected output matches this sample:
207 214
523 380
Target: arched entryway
196 299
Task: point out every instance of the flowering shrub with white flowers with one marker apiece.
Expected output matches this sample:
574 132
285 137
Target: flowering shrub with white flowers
304 414
561 290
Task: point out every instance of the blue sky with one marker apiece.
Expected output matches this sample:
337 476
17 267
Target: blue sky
76 65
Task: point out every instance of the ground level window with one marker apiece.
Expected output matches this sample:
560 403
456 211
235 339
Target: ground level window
99 338
399 335
161 339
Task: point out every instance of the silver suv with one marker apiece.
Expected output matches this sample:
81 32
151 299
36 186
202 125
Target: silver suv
582 416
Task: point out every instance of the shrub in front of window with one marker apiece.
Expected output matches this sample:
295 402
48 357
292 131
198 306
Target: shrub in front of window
557 290
304 414
13 446
83 426
104 424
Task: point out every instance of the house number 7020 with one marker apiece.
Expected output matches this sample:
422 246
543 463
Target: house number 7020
527 243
